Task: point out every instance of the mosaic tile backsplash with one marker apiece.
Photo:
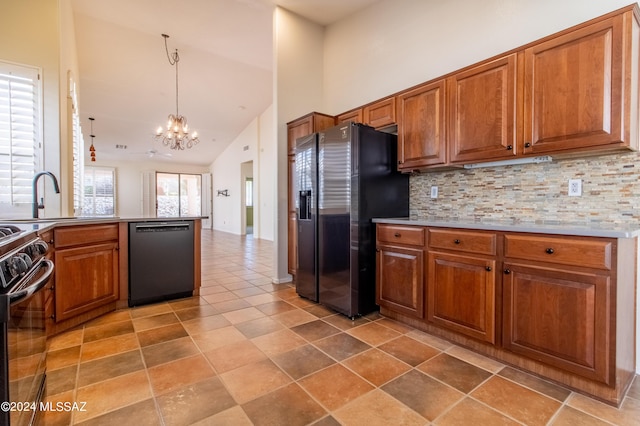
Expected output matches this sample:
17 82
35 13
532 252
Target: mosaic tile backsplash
534 192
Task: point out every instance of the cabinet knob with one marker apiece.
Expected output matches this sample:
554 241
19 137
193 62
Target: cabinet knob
549 250
527 145
397 235
456 241
488 268
509 147
377 250
507 271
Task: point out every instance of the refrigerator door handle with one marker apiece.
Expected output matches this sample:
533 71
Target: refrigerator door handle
304 198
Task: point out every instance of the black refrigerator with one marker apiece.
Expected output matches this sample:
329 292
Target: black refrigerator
345 176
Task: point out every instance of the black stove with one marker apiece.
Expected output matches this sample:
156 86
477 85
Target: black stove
24 273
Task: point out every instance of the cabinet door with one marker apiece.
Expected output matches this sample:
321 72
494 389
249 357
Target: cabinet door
381 113
461 294
559 317
573 89
86 278
298 129
421 127
400 280
482 112
354 116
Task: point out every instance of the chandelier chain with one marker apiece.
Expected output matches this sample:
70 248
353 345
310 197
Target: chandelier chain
177 135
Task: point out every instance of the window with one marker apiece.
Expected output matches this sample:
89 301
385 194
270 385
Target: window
178 194
248 192
99 192
78 148
20 132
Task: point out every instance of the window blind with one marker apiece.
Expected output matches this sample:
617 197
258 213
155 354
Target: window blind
20 134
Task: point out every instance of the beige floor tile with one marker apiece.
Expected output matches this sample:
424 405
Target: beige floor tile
110 346
293 318
373 333
278 342
425 395
253 380
627 414
471 412
234 355
377 408
509 398
243 315
217 338
376 366
112 394
335 386
180 373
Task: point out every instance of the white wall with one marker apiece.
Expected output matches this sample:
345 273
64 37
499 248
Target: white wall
394 45
298 90
265 184
226 172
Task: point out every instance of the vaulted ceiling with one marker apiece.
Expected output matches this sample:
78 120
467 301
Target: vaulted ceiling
225 70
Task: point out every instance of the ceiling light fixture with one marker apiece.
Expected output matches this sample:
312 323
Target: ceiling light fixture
92 149
176 136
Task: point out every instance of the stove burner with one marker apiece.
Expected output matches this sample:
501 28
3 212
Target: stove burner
8 230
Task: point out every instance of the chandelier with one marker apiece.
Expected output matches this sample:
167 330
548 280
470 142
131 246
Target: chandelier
176 135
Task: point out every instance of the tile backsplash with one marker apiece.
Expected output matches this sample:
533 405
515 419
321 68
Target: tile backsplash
534 192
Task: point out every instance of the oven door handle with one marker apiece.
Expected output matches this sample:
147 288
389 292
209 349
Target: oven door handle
25 293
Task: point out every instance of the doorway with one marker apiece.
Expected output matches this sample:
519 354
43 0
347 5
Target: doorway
248 197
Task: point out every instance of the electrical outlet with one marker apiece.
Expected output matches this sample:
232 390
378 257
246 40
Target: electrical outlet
434 192
575 187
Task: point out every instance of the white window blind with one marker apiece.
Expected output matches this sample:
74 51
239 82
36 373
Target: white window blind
20 132
99 192
78 147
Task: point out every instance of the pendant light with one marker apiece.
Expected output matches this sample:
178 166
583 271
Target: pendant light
92 149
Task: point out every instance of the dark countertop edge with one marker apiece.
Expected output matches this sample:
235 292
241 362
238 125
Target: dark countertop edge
612 231
45 224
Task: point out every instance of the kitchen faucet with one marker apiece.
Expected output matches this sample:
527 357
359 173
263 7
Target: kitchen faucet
37 206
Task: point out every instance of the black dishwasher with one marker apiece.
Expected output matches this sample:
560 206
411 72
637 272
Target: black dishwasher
161 261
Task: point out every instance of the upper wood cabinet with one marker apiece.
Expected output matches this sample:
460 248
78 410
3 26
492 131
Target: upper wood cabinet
421 127
380 114
581 88
482 111
354 116
307 125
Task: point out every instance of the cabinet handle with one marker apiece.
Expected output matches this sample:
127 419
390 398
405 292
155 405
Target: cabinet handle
488 268
456 241
377 250
397 235
527 145
509 147
507 271
549 250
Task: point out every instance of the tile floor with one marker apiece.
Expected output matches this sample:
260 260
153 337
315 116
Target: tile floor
249 352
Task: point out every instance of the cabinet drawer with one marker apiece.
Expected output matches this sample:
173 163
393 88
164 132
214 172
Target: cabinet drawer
467 241
566 251
401 235
85 234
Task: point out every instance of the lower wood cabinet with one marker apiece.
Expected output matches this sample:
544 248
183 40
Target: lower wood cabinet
560 306
87 270
400 278
559 316
461 294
